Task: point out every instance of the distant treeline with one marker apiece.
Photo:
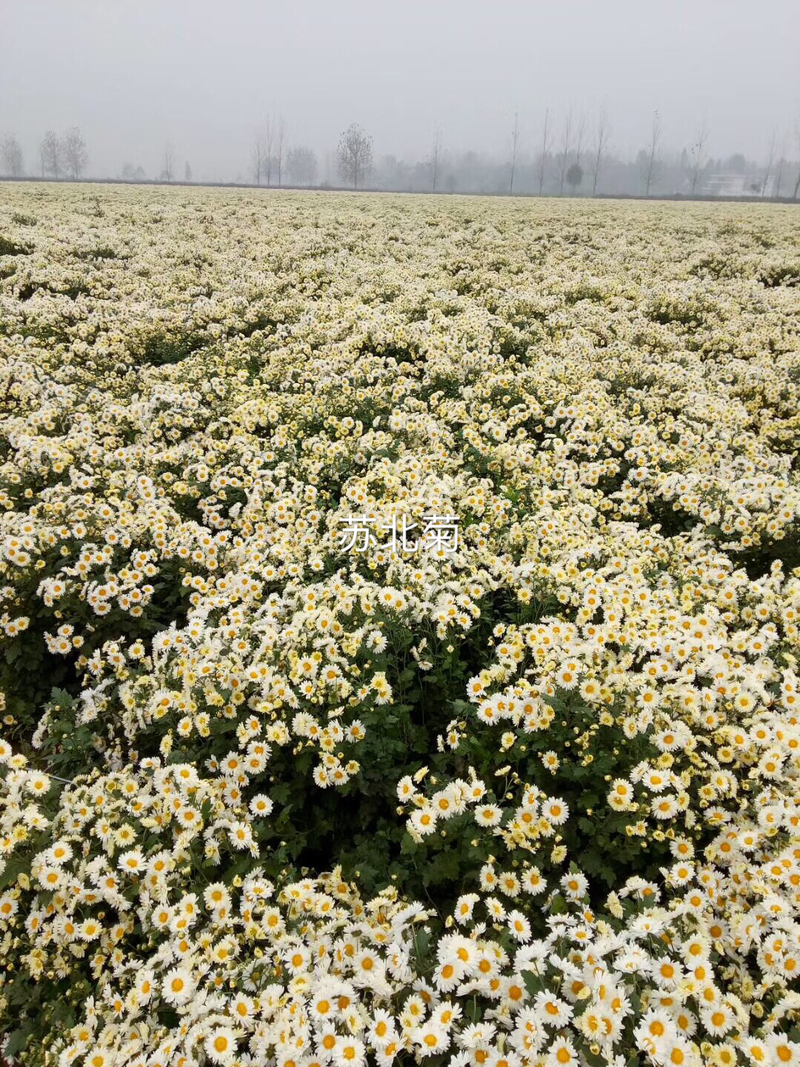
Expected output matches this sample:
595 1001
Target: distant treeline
570 160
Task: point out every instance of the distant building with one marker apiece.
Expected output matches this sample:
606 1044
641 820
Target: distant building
738 185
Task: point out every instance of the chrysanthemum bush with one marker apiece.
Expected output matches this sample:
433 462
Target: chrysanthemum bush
264 801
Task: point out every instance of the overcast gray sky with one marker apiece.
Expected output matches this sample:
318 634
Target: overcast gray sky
134 74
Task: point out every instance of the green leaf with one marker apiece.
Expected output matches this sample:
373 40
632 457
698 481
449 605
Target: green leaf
534 983
19 1039
559 905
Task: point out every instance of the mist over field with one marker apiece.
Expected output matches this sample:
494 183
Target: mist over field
449 93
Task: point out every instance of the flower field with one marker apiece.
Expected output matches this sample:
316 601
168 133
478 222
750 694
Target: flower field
531 799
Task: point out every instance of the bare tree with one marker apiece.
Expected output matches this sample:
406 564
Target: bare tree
187 172
698 153
269 141
50 154
652 153
768 171
169 163
355 155
514 150
257 156
73 150
780 165
280 134
797 138
301 166
11 156
565 148
601 140
435 159
579 139
543 154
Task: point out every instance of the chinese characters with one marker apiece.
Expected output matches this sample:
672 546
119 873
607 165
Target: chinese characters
437 533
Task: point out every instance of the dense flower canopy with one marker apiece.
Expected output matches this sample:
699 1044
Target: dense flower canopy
266 801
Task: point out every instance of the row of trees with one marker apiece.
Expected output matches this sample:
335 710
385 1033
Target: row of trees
576 160
65 156
60 157
272 161
571 154
571 157
673 171
578 154
575 154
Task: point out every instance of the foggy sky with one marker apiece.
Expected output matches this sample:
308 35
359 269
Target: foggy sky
136 74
